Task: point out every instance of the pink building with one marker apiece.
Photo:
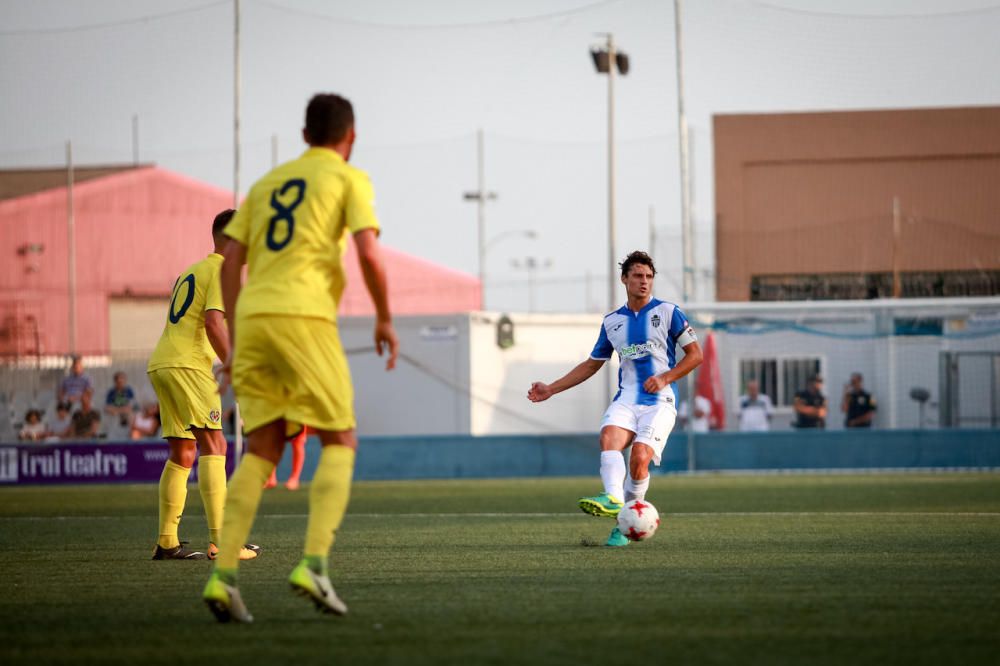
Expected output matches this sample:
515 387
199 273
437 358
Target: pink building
136 228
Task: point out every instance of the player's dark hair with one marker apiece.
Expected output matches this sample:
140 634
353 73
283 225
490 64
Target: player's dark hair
637 257
328 118
221 220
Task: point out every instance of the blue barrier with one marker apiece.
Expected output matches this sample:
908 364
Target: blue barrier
455 457
848 449
511 456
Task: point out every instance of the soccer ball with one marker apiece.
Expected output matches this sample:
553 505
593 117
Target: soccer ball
638 520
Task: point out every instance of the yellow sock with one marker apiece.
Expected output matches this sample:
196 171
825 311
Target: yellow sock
212 485
245 490
173 495
328 496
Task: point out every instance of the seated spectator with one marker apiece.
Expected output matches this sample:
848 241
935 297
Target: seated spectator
75 384
120 400
756 409
810 405
33 429
702 414
60 423
85 420
858 405
146 423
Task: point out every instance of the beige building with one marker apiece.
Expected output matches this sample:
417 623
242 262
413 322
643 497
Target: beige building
859 204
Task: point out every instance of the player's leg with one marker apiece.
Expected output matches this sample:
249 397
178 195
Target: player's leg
617 430
272 480
298 459
212 447
615 436
637 482
264 448
261 391
172 493
329 494
653 426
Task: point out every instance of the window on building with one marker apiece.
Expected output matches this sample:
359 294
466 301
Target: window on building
779 378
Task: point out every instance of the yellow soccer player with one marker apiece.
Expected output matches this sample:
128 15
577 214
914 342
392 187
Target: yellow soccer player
180 370
288 367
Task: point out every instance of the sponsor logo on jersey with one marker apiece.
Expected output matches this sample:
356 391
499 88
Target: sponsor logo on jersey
639 350
214 415
617 327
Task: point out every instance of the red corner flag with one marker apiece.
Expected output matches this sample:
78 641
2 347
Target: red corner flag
709 383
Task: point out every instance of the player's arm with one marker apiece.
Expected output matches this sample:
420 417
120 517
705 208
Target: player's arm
218 336
373 269
540 391
230 280
692 359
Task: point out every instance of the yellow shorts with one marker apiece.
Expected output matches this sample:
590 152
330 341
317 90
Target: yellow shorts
292 368
188 399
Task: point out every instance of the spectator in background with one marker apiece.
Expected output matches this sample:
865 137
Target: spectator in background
756 409
75 384
33 429
146 423
858 405
120 400
702 414
59 424
85 420
810 405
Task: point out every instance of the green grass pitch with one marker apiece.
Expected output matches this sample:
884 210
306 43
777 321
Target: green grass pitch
855 569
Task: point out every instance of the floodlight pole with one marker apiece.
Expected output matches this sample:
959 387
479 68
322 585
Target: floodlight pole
481 196
612 64
612 252
237 425
71 246
687 232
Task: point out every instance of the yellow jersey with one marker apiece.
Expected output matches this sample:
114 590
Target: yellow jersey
184 343
293 224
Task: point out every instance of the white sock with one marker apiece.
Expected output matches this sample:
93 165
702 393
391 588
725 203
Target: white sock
636 490
613 473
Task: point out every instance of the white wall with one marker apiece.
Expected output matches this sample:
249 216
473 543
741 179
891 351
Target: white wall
453 378
545 348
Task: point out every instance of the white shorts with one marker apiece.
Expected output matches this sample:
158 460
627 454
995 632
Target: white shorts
650 423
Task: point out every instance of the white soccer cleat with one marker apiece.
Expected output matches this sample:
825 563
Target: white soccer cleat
225 601
307 583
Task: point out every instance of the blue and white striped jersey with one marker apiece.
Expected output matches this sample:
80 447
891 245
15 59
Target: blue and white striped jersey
646 343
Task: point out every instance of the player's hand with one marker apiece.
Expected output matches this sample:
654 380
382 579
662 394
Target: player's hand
655 384
385 338
539 391
224 375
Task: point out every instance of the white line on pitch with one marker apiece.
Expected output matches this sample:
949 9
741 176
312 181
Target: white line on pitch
703 514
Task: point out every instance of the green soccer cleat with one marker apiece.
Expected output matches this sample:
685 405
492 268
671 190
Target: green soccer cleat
616 538
179 552
225 601
603 505
307 583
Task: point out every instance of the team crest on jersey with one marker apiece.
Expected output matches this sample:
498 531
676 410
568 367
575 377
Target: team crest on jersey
214 416
655 321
